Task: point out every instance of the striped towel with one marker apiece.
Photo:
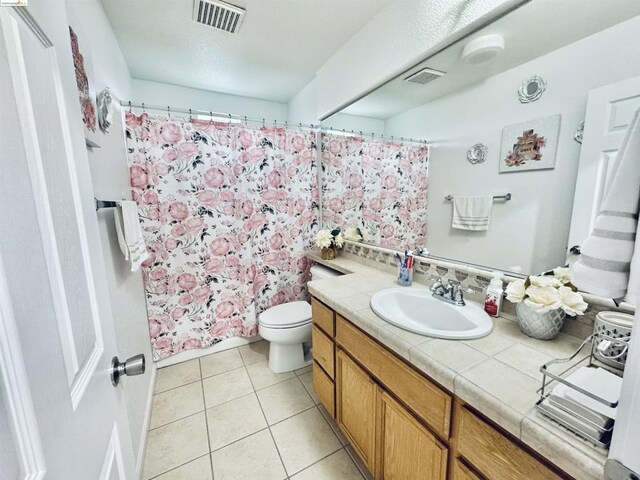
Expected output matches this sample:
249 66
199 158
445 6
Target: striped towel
607 265
472 213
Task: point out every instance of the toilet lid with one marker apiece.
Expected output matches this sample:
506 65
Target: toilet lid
285 315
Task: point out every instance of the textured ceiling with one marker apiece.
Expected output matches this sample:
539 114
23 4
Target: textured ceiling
276 52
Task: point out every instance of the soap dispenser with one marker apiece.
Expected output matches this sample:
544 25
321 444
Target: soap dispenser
493 298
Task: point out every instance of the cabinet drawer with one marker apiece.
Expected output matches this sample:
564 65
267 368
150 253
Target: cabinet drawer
493 454
323 350
323 317
325 389
429 402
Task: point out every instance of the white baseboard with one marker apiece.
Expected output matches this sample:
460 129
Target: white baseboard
142 450
225 344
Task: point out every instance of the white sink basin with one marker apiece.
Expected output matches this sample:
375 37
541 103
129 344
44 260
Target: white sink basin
414 309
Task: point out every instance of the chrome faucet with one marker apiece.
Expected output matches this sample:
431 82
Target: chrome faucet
449 293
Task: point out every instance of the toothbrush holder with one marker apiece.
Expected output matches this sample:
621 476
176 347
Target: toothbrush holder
405 275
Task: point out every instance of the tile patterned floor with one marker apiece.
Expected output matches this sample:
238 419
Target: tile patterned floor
227 416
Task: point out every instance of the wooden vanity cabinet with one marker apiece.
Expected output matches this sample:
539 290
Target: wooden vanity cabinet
400 422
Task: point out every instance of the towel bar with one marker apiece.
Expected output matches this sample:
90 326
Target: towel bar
505 197
105 204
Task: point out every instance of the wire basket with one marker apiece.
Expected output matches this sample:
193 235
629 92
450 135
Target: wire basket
597 433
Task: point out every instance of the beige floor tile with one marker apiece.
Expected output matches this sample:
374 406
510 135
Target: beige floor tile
199 469
176 403
252 458
226 386
177 375
175 444
283 400
234 420
334 426
337 466
491 344
262 376
304 439
524 358
303 370
220 362
307 381
254 352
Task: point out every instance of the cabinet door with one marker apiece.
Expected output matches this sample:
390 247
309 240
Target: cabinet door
462 472
356 407
407 450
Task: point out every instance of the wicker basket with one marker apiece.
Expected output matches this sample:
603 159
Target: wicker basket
328 253
539 323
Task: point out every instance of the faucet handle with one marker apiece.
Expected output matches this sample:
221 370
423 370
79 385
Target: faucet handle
437 284
458 295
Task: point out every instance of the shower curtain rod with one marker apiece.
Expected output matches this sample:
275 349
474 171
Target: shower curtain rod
374 135
210 113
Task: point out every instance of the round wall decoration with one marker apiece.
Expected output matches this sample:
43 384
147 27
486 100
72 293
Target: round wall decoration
532 89
579 132
477 153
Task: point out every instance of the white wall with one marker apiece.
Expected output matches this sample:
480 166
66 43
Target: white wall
532 229
302 108
402 34
157 93
110 175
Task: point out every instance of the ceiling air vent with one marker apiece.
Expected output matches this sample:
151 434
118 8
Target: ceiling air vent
424 76
216 14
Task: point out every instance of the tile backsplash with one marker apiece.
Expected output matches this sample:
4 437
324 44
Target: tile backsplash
475 280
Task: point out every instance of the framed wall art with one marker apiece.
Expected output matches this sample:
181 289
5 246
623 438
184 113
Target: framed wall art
530 145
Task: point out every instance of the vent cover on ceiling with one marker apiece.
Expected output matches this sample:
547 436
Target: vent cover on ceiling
216 14
424 76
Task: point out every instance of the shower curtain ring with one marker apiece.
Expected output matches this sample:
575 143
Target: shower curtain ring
168 111
129 106
190 117
245 121
210 117
263 123
143 110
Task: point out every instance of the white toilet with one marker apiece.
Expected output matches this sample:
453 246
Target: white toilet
287 327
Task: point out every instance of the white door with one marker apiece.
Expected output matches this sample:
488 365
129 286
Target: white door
67 421
609 111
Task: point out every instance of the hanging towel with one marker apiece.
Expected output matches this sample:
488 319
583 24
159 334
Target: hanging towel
607 259
472 213
130 234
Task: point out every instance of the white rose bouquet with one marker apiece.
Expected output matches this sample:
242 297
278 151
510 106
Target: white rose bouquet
330 238
548 292
355 234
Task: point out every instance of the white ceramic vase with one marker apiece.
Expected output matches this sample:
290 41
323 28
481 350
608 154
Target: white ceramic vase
538 322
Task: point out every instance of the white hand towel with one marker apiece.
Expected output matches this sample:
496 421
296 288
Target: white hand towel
130 234
472 213
607 255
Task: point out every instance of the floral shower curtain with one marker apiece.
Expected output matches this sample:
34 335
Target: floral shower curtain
378 185
227 211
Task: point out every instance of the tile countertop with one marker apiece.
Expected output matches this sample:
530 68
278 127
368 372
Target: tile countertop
498 375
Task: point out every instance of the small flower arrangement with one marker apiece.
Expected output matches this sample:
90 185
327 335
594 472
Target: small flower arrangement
329 241
548 292
355 234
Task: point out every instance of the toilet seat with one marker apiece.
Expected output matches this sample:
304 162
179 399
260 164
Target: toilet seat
286 315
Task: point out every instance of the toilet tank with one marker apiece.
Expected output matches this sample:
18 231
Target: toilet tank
319 272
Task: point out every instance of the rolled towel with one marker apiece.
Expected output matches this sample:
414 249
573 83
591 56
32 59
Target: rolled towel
472 213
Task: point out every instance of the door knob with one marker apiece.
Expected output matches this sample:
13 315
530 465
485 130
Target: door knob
131 366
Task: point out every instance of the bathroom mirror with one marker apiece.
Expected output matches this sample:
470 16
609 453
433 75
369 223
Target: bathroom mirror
468 94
